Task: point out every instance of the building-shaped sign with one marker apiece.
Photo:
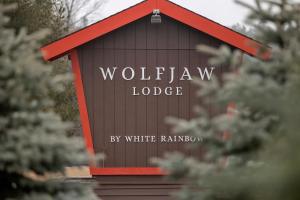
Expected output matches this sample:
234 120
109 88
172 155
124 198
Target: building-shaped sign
132 70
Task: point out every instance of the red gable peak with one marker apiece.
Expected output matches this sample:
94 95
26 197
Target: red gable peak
64 45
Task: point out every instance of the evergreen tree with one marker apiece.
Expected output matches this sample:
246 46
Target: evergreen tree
35 15
47 14
240 28
34 146
257 160
60 17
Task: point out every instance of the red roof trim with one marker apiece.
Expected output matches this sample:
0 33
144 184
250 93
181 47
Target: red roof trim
210 27
66 44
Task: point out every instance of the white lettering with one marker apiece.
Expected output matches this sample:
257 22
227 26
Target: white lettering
159 72
179 91
124 73
143 78
146 91
157 91
134 92
108 72
205 73
115 139
186 73
172 69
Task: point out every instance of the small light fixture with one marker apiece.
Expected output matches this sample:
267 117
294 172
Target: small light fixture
156 18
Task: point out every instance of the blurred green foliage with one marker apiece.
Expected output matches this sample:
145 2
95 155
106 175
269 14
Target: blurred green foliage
259 160
36 15
34 145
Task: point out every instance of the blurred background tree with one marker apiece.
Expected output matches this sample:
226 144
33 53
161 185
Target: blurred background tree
60 17
243 29
257 160
34 146
37 15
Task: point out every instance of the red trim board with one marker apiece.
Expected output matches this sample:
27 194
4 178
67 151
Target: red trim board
64 45
210 27
87 130
81 102
152 171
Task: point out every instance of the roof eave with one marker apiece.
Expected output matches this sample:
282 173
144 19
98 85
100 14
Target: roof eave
64 45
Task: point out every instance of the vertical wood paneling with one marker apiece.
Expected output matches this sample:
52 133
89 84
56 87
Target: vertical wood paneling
162 101
151 34
172 58
162 104
141 111
183 37
112 108
86 66
184 100
120 97
162 38
109 109
130 107
173 106
129 32
98 43
194 62
141 101
184 61
172 27
141 34
90 84
194 58
120 109
99 116
151 107
130 127
109 99
120 39
109 41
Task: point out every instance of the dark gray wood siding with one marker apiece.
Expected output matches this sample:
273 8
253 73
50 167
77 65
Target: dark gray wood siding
135 187
114 111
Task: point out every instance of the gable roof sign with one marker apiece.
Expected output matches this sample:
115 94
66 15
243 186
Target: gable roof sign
63 46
